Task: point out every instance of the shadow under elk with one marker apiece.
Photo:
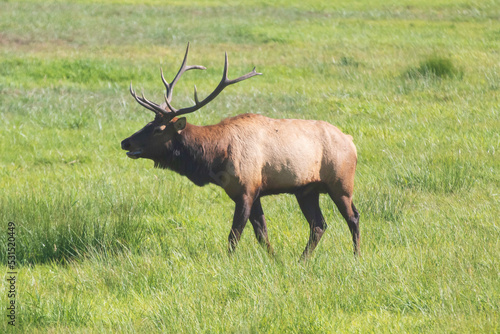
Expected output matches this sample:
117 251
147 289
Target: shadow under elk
251 156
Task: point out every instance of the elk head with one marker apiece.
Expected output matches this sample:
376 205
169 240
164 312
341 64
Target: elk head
152 141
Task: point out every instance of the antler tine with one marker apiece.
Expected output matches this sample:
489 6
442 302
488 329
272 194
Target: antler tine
243 77
152 104
167 85
184 68
220 87
146 103
196 96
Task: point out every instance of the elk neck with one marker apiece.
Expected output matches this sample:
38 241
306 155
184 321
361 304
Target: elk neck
197 153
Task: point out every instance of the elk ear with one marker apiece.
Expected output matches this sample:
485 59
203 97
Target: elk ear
180 124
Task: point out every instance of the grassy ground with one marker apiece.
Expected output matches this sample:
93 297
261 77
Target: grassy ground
104 243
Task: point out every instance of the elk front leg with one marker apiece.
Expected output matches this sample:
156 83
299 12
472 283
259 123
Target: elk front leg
259 225
240 218
309 204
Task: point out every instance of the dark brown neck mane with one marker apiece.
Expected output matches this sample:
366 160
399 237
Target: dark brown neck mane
196 154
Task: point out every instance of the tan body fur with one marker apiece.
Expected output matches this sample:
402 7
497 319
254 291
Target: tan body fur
279 155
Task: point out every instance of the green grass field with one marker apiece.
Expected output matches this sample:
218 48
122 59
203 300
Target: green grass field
109 244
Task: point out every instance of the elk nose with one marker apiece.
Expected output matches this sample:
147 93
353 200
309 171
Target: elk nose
126 144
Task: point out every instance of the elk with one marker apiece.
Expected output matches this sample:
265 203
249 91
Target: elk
251 156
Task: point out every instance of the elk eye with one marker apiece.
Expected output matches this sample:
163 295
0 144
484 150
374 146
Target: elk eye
159 129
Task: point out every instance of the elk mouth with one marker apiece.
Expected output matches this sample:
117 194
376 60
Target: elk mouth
134 154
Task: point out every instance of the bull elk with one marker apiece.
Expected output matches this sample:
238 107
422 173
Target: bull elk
251 156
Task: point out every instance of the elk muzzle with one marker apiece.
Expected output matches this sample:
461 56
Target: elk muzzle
127 146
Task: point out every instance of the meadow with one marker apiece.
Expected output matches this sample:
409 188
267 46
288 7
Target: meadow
109 244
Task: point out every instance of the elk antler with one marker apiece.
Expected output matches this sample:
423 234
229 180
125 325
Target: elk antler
170 86
222 84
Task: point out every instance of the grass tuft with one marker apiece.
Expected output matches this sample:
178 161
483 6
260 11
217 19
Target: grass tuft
434 66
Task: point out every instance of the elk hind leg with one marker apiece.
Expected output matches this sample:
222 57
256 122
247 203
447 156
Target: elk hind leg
351 215
309 204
